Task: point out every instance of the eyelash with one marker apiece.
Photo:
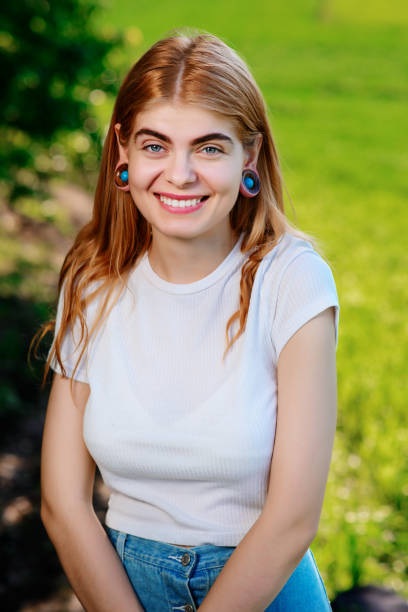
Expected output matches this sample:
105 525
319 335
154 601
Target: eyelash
212 147
216 149
147 148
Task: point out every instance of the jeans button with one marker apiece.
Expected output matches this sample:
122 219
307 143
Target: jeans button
189 608
185 560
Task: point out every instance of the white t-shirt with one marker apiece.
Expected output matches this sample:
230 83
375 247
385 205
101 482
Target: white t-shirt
183 440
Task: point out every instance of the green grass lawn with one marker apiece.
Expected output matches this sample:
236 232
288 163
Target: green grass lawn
334 75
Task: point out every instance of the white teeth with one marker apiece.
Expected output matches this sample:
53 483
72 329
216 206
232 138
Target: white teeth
179 203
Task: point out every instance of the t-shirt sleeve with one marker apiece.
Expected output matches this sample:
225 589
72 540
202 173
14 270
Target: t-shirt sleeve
70 348
306 288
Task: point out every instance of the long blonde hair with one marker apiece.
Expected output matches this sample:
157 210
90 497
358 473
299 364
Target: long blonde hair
198 69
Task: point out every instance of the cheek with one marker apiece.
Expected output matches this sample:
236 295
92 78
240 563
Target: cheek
225 179
141 174
139 181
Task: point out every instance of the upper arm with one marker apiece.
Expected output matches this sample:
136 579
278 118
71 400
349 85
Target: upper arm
67 468
306 423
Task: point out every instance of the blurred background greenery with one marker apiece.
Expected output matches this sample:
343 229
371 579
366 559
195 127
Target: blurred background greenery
334 75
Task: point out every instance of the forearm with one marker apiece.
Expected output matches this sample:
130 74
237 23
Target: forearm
91 563
258 569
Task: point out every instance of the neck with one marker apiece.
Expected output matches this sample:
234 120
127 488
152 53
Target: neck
185 260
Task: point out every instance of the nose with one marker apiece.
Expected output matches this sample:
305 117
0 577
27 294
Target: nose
180 170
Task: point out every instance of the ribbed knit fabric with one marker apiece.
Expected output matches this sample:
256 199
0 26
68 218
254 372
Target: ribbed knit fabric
183 440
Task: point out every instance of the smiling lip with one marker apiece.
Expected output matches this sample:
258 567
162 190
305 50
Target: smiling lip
178 210
173 196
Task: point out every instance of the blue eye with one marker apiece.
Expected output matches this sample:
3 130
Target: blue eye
212 150
154 148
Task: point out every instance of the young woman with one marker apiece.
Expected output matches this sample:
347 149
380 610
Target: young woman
194 358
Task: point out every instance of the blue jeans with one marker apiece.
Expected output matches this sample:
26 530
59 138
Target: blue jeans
167 578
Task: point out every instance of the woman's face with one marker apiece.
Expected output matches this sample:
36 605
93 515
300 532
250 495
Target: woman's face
185 165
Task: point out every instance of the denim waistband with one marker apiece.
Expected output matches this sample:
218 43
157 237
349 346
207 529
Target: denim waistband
169 556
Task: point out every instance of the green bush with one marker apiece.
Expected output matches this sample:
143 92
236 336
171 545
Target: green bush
55 68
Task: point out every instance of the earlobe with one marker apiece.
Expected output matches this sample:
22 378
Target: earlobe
250 182
121 177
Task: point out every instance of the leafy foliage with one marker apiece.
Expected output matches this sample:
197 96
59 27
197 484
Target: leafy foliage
54 69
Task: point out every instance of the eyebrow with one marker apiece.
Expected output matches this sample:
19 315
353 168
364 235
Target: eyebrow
196 141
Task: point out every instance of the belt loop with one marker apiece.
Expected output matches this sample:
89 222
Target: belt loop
120 544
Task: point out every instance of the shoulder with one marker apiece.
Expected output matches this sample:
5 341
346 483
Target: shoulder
296 285
93 301
292 256
90 295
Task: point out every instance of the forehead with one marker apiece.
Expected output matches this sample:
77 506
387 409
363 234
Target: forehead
180 120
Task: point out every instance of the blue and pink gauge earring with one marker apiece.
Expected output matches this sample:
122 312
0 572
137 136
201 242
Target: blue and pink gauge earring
250 183
122 177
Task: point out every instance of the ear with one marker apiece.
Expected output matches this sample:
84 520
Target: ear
123 155
252 152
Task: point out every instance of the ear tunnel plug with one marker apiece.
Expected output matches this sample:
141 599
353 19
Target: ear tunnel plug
121 175
250 183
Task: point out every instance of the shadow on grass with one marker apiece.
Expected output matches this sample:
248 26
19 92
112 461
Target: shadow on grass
30 571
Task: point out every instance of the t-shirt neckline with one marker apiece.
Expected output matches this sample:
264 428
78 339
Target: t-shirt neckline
228 264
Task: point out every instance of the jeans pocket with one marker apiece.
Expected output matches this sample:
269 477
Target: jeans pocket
118 539
112 534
